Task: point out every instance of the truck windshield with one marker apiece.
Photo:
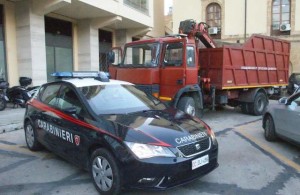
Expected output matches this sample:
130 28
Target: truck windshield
141 55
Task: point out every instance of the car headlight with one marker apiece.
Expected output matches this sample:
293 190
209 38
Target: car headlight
213 138
143 151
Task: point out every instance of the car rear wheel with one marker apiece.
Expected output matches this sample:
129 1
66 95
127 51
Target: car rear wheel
269 126
187 105
105 172
30 136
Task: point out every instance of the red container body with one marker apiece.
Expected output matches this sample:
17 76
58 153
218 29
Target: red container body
260 62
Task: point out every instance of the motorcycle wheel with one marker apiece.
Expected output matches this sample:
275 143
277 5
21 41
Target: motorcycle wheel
2 104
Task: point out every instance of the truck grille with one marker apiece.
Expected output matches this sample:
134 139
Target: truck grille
191 149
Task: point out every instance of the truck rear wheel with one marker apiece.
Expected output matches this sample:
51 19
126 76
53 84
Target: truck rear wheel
187 105
258 107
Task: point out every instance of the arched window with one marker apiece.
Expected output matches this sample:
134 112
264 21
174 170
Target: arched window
213 19
281 11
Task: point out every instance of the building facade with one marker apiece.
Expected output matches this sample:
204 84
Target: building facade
39 37
236 20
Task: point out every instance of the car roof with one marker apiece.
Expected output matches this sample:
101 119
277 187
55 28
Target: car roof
85 82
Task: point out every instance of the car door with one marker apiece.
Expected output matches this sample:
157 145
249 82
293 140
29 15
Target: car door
73 124
46 115
289 118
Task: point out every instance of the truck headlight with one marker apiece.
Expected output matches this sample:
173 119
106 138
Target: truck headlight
143 151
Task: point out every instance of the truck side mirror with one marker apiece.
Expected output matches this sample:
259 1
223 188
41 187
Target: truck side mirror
111 57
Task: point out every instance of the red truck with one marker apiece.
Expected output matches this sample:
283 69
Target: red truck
178 70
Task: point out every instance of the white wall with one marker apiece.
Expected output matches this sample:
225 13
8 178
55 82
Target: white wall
121 9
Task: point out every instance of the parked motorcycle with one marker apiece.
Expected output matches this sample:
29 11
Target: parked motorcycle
3 96
17 95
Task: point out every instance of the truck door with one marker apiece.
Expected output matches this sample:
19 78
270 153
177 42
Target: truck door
115 56
172 72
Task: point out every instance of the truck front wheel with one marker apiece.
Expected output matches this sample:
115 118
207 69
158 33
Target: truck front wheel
258 107
187 105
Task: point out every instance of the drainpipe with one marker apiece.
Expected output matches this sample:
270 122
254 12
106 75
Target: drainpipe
245 30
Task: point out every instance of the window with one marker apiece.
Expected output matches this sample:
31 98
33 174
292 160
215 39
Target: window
3 73
213 18
49 94
173 54
68 99
142 55
140 5
281 11
102 99
190 56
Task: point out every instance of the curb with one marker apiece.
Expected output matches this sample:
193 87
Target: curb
11 127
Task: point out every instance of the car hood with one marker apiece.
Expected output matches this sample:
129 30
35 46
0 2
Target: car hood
170 127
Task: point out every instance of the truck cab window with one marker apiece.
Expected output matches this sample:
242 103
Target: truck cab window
173 54
142 55
190 56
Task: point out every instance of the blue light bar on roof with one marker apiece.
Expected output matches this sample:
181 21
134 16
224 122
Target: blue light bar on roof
101 76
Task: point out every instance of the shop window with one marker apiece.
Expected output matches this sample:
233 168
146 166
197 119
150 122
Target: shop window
59 46
281 12
214 19
3 73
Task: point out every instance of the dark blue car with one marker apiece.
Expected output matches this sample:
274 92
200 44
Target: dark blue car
124 137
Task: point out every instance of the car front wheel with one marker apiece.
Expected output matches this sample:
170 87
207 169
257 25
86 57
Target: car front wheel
105 172
270 133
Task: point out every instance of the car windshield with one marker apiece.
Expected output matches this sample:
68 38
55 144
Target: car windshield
119 99
297 77
141 55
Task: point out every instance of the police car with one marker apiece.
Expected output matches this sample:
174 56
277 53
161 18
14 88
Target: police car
124 137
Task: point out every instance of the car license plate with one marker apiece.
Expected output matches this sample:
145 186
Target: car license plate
200 162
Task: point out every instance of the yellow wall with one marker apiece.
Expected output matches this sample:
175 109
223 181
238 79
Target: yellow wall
235 19
183 10
10 42
297 16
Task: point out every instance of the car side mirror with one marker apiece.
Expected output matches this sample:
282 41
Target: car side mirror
111 57
283 100
70 110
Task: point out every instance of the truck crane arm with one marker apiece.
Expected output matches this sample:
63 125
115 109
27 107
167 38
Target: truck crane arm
199 31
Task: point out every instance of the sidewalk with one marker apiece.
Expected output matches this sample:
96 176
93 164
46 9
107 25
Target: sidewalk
11 119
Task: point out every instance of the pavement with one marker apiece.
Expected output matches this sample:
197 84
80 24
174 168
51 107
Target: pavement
11 119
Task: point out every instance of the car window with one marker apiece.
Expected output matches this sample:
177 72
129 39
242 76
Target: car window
119 99
49 94
69 99
295 98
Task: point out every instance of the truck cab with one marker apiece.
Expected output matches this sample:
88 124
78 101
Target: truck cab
166 67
